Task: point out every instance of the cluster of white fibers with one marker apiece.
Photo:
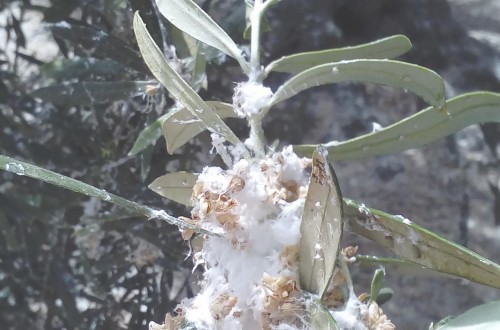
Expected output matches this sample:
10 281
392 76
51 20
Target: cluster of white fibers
250 279
250 98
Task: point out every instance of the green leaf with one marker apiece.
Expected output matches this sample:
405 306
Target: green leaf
175 186
188 17
181 126
90 92
321 227
483 317
185 45
199 75
377 279
423 82
102 44
148 136
178 87
419 245
82 68
321 318
21 168
384 295
386 48
422 128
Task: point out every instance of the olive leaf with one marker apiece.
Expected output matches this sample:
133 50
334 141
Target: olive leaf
419 129
419 245
148 136
81 68
424 82
175 186
91 92
21 168
190 18
481 317
321 227
178 87
376 284
386 48
181 126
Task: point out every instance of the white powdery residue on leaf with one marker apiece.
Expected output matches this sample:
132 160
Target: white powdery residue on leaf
183 122
363 209
376 127
158 214
413 236
15 168
331 144
250 98
403 219
399 239
371 223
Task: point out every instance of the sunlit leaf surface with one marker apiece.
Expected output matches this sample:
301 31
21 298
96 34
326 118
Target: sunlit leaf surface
386 48
419 245
422 128
321 227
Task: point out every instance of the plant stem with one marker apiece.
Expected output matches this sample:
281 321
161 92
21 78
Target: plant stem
257 135
255 40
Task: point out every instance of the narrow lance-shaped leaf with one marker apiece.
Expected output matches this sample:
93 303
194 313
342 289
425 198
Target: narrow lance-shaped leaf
175 186
22 168
178 127
321 227
422 128
82 68
419 245
181 126
419 80
178 87
91 92
376 284
148 136
190 18
386 48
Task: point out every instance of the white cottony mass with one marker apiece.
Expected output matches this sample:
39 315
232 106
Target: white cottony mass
251 275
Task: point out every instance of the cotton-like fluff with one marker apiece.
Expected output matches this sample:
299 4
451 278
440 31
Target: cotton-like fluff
251 273
250 98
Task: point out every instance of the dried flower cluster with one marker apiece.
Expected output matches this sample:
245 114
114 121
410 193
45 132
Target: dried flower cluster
375 319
